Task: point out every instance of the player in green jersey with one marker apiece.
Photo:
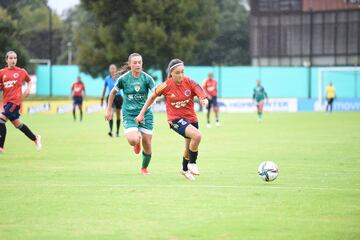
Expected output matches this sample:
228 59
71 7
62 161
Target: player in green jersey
136 85
259 96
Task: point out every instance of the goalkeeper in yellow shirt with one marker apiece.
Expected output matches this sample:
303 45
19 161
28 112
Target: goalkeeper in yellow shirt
330 94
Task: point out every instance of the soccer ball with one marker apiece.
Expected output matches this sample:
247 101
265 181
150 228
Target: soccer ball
268 171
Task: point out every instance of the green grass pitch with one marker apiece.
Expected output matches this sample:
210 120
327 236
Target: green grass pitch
85 185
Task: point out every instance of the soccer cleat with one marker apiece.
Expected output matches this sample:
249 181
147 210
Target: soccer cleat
117 134
110 134
145 172
187 174
137 148
2 150
193 168
218 124
208 125
38 142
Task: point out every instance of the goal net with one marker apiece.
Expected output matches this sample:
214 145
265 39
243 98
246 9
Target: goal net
345 80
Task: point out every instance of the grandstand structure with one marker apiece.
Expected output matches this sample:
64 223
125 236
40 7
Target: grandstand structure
305 32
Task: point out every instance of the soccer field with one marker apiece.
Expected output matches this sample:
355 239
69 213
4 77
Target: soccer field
85 185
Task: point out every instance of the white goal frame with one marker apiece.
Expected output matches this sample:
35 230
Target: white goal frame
321 75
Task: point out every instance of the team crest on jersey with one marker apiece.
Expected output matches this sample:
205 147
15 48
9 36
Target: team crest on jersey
187 92
16 75
4 76
172 95
137 87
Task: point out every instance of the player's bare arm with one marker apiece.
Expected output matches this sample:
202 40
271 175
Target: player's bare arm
108 113
102 96
139 118
28 89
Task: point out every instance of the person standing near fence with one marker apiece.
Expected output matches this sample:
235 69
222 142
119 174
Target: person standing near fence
259 96
11 80
210 87
77 93
330 94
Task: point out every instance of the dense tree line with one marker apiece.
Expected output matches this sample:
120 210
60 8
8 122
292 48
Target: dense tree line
202 32
24 27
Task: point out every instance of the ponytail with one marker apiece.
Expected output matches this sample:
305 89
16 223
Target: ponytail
123 69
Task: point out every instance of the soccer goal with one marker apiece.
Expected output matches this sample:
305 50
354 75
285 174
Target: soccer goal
344 78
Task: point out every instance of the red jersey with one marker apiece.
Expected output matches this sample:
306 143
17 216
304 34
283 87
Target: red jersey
210 87
78 88
179 98
11 80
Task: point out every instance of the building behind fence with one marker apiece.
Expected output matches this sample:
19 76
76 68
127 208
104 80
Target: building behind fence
305 32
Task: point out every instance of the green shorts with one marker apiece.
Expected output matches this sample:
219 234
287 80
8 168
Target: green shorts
146 126
260 99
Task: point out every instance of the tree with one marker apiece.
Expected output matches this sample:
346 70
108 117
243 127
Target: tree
158 29
31 19
232 42
34 32
8 38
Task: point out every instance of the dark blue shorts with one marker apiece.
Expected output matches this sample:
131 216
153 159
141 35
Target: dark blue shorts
179 126
118 101
77 100
11 111
212 102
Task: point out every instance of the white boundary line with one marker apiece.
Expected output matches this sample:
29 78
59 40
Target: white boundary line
182 186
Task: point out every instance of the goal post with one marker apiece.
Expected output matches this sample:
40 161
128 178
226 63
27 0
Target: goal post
49 66
322 72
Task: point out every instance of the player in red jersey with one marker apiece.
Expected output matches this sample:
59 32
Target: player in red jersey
179 92
77 93
11 80
210 87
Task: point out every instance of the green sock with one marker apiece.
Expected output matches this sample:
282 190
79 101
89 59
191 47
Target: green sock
146 160
260 115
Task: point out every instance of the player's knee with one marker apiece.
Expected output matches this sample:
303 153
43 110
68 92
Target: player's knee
197 137
17 123
145 142
133 141
147 148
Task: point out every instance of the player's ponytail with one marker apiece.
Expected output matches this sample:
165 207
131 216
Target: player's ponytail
123 69
172 64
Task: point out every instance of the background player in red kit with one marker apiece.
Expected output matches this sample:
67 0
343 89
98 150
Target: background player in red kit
77 93
210 87
11 80
179 92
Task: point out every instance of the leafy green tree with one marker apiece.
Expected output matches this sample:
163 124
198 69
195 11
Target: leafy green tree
232 41
34 32
8 39
31 19
158 29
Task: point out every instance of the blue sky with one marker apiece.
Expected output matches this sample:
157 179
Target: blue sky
60 6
